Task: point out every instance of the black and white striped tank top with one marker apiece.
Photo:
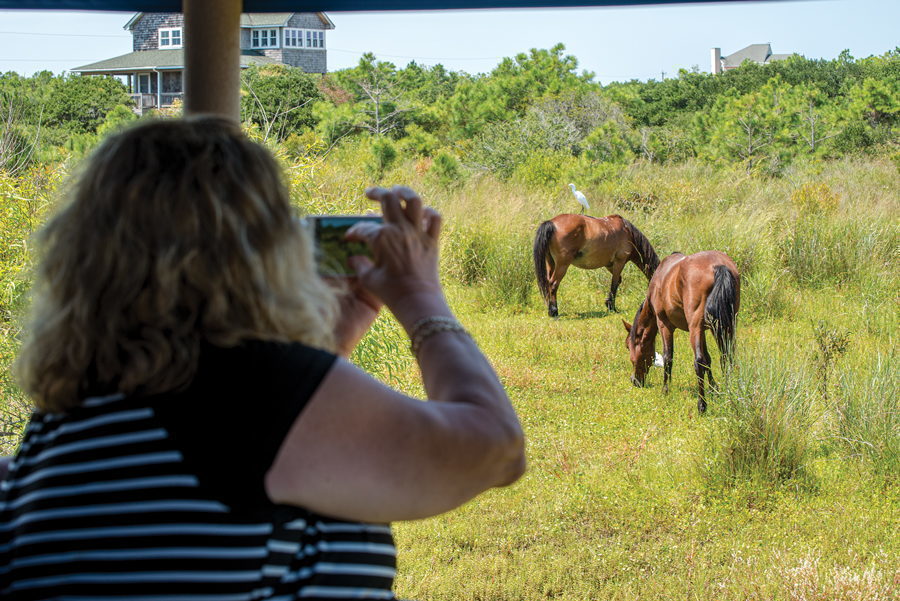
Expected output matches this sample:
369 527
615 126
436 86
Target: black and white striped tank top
163 497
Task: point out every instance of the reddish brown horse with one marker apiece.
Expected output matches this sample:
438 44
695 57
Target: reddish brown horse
588 243
692 293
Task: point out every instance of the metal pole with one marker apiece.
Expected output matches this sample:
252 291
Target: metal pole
212 57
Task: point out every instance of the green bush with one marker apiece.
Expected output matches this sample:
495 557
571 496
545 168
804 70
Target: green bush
819 251
24 202
383 155
466 252
868 412
762 427
542 170
446 170
509 273
814 199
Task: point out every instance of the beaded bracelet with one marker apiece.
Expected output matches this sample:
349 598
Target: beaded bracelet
429 326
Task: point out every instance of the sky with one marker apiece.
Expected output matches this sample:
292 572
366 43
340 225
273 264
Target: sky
616 44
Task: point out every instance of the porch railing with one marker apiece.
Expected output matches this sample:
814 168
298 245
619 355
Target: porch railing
148 101
144 101
168 99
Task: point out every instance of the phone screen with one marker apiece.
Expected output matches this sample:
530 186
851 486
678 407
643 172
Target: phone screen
332 251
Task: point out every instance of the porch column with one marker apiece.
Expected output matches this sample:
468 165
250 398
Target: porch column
212 79
158 90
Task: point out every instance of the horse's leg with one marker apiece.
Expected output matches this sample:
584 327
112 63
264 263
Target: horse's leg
668 340
701 361
556 276
616 271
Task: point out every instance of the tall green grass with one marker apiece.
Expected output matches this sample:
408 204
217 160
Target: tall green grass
868 414
775 493
764 425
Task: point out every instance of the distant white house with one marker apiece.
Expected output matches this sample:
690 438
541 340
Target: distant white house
154 70
758 53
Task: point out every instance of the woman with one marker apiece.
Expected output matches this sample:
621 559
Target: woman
199 433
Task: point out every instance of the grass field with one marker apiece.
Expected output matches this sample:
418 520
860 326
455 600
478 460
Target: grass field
786 489
782 490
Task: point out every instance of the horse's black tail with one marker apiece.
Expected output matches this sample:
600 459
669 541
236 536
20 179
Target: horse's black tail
721 310
643 256
542 256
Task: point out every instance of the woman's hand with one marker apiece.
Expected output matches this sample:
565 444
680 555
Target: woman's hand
404 270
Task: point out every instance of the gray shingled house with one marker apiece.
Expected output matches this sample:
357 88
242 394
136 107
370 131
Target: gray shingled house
154 70
758 53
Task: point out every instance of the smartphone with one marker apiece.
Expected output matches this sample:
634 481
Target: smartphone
332 251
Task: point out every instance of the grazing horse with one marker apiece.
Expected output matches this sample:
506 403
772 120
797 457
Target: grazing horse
692 293
588 243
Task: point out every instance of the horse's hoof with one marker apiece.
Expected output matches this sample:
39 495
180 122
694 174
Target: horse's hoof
701 406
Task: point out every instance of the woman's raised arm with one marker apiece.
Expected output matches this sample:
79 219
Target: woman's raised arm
361 450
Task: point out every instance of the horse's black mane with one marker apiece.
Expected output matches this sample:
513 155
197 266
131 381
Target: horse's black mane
634 322
645 258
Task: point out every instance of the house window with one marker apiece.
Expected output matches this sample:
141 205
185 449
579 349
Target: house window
171 82
170 37
264 38
304 38
293 38
143 84
315 39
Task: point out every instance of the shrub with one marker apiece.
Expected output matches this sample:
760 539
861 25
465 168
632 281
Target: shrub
446 170
831 344
814 199
868 412
764 431
509 272
819 251
542 169
762 294
383 155
24 202
465 254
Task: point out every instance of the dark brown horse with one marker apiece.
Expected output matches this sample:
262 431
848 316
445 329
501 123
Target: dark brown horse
588 243
692 293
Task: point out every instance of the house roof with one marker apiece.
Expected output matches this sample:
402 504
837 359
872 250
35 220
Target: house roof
265 19
158 59
758 53
250 20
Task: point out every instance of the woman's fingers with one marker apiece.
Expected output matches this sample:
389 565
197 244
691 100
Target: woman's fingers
432 223
390 204
413 204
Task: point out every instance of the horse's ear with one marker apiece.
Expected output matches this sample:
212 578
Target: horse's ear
627 326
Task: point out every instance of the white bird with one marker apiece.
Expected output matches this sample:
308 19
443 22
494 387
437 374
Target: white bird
580 198
658 361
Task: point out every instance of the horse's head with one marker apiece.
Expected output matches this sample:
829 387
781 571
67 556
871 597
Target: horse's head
640 342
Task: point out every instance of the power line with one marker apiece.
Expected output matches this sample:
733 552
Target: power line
46 60
420 58
67 35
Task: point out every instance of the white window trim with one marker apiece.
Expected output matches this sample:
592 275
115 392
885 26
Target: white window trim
170 46
301 33
266 30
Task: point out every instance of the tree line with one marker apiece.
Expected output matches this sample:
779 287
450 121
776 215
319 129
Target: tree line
532 115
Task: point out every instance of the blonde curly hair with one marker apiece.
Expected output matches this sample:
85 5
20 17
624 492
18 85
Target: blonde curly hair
177 232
